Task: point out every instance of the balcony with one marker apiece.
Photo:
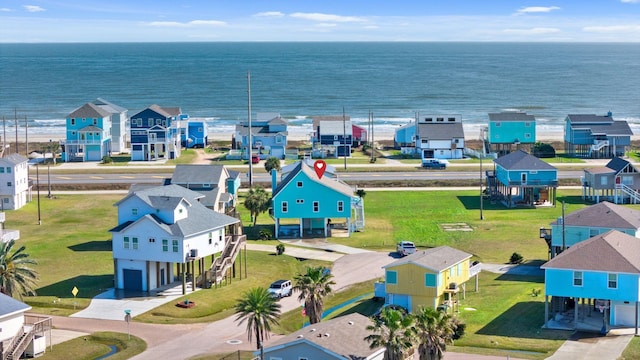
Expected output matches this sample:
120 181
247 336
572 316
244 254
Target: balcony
83 142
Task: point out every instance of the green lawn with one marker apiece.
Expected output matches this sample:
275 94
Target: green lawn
632 351
96 345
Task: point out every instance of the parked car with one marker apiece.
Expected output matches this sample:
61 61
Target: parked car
255 158
433 164
281 288
406 248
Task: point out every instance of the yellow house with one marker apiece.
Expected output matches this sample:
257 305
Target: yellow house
428 278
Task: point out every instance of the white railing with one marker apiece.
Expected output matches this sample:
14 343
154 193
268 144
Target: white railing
632 193
475 269
597 145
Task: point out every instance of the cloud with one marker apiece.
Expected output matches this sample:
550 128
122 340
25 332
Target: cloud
326 17
275 14
536 9
187 24
33 8
533 31
630 1
5 10
612 29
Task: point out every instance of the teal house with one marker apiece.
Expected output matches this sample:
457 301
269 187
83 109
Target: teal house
521 179
594 136
306 205
405 138
88 134
507 130
594 285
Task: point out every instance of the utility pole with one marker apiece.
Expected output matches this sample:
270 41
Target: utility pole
564 243
15 120
26 135
249 117
344 138
38 185
481 194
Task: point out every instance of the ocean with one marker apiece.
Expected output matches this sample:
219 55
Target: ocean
393 80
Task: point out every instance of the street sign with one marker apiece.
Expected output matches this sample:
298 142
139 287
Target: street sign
75 291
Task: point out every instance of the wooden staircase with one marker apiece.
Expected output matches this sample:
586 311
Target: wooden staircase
222 264
23 338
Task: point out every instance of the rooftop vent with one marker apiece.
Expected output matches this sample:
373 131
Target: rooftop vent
300 336
312 330
326 334
350 323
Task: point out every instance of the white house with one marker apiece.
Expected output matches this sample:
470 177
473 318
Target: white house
440 137
15 190
118 124
163 226
21 333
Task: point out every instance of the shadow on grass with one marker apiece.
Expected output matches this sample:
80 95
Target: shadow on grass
521 275
366 307
473 203
95 245
570 200
88 286
522 320
253 232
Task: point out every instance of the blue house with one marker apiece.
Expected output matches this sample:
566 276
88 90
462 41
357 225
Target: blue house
594 284
305 205
155 133
333 136
510 129
88 134
594 136
194 134
404 138
521 179
618 181
268 136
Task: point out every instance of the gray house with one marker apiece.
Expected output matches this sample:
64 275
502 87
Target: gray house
218 184
339 338
618 182
440 137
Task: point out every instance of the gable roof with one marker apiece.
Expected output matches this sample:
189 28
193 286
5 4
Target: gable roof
316 119
335 128
333 184
440 131
198 174
520 160
330 170
611 252
437 259
615 165
166 112
511 116
108 106
145 193
604 214
10 306
89 110
342 336
589 118
90 128
14 158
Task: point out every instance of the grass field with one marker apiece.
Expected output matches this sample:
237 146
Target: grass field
96 345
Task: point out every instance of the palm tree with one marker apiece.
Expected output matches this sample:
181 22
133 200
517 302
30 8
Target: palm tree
313 286
257 201
261 310
16 277
434 329
393 330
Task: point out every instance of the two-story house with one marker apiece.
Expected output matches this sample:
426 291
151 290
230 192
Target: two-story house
440 137
194 134
404 138
332 136
22 335
507 130
429 278
595 136
15 188
155 133
618 181
521 179
218 185
119 120
163 227
88 134
305 205
268 136
594 284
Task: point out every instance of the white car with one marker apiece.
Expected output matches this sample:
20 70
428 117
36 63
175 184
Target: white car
281 288
406 248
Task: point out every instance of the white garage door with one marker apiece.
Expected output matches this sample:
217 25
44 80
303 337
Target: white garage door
625 315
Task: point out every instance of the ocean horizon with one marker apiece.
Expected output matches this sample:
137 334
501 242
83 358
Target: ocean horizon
42 83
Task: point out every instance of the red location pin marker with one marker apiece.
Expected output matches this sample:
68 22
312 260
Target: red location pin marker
320 166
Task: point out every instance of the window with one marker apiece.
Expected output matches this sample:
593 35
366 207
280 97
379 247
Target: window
430 280
152 240
9 183
451 119
284 206
627 180
200 129
459 268
73 121
1 169
428 119
527 135
527 124
125 241
316 206
165 245
497 124
95 121
150 122
210 238
299 184
603 180
299 201
392 277
134 211
175 245
577 278
593 232
613 281
139 122
457 141
340 206
134 243
8 170
335 137
5 200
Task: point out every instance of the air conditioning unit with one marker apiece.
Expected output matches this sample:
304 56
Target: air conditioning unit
453 286
194 253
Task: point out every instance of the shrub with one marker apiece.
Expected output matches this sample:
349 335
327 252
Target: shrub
280 249
459 329
542 150
107 159
516 258
264 234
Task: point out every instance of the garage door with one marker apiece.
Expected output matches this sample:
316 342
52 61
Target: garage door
132 279
625 315
401 300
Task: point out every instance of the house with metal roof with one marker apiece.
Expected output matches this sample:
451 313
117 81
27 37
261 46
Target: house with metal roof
508 131
595 284
88 134
595 136
440 137
404 138
268 136
15 188
618 182
155 133
164 226
338 338
429 278
218 185
521 179
307 205
119 120
21 334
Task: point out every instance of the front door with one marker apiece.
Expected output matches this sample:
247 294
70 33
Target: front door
523 177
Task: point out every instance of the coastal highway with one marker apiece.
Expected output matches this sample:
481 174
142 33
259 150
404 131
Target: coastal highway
261 177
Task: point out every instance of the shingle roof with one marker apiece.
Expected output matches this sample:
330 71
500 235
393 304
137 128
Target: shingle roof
600 170
289 168
198 174
109 106
611 252
168 191
10 306
619 128
437 259
335 128
617 164
90 128
589 118
520 160
604 214
89 110
15 158
326 181
439 131
343 335
316 119
511 116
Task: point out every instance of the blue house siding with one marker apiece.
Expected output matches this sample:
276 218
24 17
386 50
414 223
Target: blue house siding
559 282
508 132
405 136
532 177
576 234
300 200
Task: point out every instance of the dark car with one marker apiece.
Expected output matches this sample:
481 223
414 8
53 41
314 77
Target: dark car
433 164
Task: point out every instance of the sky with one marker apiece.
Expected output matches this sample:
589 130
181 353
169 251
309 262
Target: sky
34 21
